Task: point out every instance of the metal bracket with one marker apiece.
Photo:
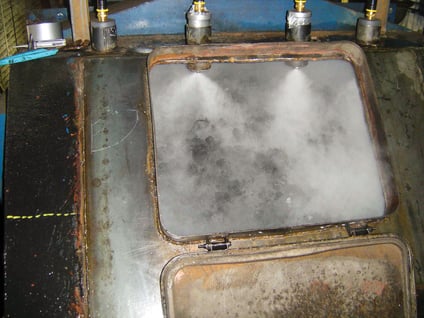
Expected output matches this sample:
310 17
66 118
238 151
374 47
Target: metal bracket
216 244
358 229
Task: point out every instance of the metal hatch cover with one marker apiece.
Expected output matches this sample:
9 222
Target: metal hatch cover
265 137
345 278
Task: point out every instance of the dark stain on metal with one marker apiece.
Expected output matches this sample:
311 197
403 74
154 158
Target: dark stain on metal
42 157
398 80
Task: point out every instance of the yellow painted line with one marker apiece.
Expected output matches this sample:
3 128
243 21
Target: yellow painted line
37 216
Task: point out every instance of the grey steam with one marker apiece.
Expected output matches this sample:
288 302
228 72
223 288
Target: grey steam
258 146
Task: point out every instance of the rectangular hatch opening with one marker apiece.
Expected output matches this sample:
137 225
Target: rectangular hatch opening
257 143
354 278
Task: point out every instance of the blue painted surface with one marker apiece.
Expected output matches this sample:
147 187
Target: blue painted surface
360 7
168 16
56 14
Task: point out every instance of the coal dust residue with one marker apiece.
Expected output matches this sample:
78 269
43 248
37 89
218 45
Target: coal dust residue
259 146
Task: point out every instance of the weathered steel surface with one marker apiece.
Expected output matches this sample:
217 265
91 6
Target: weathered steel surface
398 78
139 261
125 250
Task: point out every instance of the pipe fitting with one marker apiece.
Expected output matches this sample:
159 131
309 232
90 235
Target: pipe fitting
103 35
368 31
198 27
103 32
298 25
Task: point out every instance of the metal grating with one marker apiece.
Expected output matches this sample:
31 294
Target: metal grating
12 32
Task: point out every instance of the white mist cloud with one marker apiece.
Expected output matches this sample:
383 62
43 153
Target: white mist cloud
261 146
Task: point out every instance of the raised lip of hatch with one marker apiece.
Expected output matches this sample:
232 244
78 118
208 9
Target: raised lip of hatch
284 52
290 253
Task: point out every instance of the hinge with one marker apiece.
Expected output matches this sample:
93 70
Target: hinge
358 229
216 244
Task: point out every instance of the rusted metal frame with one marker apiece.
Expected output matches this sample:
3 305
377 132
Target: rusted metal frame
375 126
150 169
81 300
247 52
284 51
80 20
150 157
149 41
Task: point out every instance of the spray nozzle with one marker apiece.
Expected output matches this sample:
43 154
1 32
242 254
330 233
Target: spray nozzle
297 63
368 28
198 27
103 31
298 22
199 66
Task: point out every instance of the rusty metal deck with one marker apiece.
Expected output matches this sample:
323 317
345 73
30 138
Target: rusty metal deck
112 253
